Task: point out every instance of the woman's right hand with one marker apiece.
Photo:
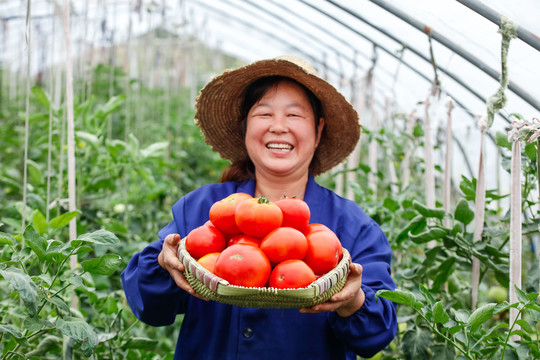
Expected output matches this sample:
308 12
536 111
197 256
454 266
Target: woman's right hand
168 259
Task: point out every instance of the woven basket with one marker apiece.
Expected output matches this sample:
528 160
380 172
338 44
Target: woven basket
216 288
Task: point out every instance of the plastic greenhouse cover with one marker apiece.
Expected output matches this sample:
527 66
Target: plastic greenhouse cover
344 39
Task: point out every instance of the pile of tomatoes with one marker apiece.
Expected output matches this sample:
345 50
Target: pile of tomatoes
253 242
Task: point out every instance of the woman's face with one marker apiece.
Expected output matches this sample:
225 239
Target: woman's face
280 135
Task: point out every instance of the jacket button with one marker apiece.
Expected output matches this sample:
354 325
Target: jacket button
247 332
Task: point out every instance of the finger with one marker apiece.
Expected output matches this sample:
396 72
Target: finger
172 239
182 283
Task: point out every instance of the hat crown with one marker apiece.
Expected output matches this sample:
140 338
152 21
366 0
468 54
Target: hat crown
300 63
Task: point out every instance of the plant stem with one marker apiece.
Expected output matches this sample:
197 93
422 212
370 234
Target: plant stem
434 328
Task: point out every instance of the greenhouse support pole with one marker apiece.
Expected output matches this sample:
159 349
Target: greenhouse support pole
70 134
479 213
447 186
523 34
515 224
27 115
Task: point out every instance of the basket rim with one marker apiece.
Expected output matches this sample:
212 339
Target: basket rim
223 288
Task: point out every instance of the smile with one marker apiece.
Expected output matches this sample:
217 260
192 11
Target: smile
279 147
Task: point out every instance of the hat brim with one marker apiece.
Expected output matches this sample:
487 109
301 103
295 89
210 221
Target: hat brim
219 105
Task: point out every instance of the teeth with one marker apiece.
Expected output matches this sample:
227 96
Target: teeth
282 147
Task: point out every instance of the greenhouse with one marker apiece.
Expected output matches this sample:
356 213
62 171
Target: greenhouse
125 122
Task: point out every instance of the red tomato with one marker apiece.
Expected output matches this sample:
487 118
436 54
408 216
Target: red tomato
244 239
291 274
284 243
324 250
316 227
296 213
243 265
257 217
222 213
208 261
204 240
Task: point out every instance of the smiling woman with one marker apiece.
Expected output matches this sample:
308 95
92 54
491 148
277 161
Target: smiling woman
279 124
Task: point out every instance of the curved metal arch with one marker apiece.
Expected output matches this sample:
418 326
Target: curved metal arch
471 58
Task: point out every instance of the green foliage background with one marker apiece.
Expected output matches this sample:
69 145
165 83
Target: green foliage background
136 155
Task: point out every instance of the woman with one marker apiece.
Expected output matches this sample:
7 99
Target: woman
280 125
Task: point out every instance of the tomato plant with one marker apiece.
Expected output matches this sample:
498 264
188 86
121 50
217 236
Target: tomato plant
324 250
284 243
243 265
204 240
296 213
222 213
291 274
258 216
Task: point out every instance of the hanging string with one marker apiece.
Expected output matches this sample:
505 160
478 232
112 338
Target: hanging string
497 101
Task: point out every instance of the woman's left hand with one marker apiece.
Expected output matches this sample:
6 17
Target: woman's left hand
348 300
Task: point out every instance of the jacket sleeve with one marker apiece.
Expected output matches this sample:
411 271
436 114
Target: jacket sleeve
152 294
374 325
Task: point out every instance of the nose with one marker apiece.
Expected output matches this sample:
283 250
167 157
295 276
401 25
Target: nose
279 124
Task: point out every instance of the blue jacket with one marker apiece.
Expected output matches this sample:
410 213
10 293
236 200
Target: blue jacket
212 330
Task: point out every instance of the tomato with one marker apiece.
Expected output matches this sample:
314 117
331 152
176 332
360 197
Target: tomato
316 227
222 213
243 265
204 240
244 239
257 217
324 250
208 261
284 243
295 211
291 274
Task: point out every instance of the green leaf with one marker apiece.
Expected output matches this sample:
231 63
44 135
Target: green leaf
11 330
23 284
32 324
62 220
432 234
480 316
391 204
522 295
463 212
501 139
415 343
155 149
140 343
428 212
6 239
41 96
39 222
530 150
102 237
398 296
55 300
525 326
104 265
87 137
439 314
426 294
35 242
416 224
80 331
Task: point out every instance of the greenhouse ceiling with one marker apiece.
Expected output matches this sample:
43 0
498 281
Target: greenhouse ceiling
401 48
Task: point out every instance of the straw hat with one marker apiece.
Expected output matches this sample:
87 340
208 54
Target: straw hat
218 111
